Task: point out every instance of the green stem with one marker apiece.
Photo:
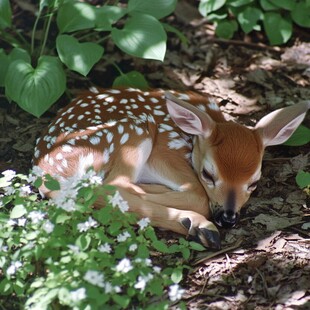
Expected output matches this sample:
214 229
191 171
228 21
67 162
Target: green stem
103 39
46 32
117 68
34 29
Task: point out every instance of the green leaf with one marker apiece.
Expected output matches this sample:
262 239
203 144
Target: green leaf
248 18
284 4
301 136
278 29
226 29
18 211
83 242
267 5
5 60
79 57
35 89
158 8
51 183
107 15
131 79
208 6
73 16
237 3
303 179
197 246
142 36
5 14
301 14
177 275
121 300
160 246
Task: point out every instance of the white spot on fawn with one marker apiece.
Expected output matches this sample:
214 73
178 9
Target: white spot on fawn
94 140
124 138
66 148
120 129
109 137
59 156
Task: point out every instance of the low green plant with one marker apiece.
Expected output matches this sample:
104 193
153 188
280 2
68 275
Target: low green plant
33 72
63 253
275 16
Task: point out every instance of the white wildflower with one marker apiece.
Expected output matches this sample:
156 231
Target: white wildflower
87 225
142 281
133 247
74 248
9 190
123 237
78 294
124 266
109 288
36 216
105 248
9 174
48 226
14 267
157 269
25 190
94 277
175 292
144 222
35 173
117 201
21 222
3 248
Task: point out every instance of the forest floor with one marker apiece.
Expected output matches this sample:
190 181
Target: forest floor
265 261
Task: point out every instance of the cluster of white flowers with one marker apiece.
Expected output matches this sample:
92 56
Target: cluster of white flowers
133 247
123 236
9 174
117 201
36 216
35 174
13 268
142 281
25 190
144 222
78 295
17 222
74 248
97 278
175 292
87 225
48 226
9 190
124 266
105 248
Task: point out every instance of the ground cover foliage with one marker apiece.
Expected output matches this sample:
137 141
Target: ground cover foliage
265 259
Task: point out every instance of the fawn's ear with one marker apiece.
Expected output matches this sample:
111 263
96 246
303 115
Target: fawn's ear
189 118
277 126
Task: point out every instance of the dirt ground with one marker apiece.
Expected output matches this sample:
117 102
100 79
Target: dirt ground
265 261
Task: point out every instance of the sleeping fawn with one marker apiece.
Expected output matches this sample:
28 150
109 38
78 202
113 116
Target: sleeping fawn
172 156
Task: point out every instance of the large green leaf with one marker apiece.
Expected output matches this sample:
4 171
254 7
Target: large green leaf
73 16
237 3
303 179
35 89
248 18
301 136
267 5
284 4
157 8
208 6
5 14
107 15
301 14
278 28
142 36
79 57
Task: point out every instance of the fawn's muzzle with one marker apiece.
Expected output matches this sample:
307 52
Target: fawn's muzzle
226 219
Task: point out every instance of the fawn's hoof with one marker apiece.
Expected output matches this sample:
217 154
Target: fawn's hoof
204 233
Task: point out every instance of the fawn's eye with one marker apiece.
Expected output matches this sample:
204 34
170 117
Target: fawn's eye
208 177
252 186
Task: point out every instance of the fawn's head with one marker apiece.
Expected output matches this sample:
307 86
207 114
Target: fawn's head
227 156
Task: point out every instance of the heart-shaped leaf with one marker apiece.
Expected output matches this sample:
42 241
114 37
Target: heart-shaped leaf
35 89
107 15
248 18
301 14
208 6
79 57
73 16
142 36
158 8
278 29
131 79
301 136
